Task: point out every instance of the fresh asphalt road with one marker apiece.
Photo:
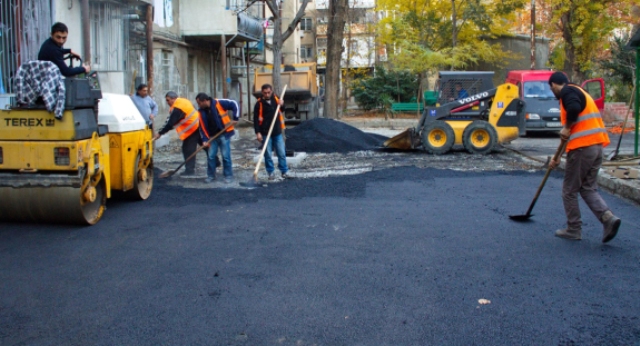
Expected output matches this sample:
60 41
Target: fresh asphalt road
400 256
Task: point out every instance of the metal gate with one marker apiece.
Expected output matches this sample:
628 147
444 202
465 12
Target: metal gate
24 25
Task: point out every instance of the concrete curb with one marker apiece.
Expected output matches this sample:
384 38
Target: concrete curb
625 188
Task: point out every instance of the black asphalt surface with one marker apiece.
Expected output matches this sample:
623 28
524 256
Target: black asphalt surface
321 135
393 257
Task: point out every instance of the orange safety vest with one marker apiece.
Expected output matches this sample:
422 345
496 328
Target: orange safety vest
589 128
260 118
224 115
189 124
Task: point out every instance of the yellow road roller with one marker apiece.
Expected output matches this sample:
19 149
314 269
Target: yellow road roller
478 122
64 170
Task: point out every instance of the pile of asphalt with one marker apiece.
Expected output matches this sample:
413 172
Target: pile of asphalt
321 135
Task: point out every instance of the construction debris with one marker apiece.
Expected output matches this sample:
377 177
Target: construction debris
624 172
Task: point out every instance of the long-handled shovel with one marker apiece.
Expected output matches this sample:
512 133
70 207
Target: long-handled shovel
254 181
525 217
172 172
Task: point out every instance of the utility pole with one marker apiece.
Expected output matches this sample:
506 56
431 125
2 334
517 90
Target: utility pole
533 34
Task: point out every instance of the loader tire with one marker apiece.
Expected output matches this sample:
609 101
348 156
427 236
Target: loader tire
437 137
479 137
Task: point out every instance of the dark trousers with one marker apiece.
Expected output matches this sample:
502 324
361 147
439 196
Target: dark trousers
189 146
581 176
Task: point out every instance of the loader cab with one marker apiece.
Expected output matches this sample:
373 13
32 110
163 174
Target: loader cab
542 111
455 85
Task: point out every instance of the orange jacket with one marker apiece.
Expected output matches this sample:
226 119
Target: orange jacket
188 124
588 129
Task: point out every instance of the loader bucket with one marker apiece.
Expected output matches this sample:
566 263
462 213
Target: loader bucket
406 140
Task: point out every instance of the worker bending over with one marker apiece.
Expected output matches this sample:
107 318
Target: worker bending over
214 117
184 118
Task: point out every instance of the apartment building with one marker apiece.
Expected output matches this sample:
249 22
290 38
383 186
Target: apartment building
186 46
360 53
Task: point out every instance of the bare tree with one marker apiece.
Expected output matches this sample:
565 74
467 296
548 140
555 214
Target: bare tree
279 36
335 36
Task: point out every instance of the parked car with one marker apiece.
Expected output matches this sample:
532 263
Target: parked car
542 107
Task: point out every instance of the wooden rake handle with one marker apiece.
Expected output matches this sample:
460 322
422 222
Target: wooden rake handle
563 144
170 173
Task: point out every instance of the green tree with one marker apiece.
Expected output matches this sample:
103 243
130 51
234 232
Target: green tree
586 27
377 92
619 68
430 34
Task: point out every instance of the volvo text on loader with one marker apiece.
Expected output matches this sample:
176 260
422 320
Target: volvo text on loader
64 170
478 122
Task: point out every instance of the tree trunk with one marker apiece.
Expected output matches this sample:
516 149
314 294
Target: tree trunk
454 33
570 66
335 35
345 77
279 37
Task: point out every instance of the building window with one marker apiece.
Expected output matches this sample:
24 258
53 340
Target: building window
166 68
306 24
306 52
354 46
109 39
321 43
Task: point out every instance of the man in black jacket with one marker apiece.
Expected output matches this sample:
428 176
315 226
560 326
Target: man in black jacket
263 114
51 50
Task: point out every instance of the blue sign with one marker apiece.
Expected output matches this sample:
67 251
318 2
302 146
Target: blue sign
500 104
228 79
432 112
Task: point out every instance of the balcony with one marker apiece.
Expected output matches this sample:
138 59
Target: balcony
208 20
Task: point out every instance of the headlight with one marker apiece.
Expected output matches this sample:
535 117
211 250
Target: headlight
533 116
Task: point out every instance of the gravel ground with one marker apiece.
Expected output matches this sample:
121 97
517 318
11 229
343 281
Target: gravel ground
346 161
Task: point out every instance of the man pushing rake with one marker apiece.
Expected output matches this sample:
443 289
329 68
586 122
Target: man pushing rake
584 135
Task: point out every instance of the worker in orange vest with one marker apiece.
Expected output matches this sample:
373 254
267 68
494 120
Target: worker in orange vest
185 119
215 117
264 113
586 135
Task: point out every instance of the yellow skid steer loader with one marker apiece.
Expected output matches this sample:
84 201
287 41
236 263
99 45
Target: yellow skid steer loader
478 122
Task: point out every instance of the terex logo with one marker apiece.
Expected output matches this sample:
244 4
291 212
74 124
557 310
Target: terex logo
30 122
473 98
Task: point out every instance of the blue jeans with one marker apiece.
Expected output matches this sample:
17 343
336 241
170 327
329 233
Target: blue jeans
224 144
280 152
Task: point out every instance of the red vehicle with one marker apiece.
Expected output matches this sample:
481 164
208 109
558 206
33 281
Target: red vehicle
542 111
